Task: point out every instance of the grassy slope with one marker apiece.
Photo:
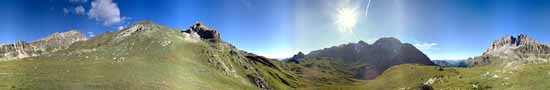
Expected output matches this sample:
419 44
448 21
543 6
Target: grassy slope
494 77
323 74
136 63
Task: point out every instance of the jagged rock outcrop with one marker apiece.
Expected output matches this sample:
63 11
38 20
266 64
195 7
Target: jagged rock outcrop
52 43
514 51
296 58
511 45
203 32
368 61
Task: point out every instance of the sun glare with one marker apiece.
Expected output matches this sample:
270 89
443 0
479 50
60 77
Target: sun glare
346 19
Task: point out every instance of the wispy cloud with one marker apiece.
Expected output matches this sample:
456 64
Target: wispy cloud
91 34
105 11
80 10
120 27
65 10
426 46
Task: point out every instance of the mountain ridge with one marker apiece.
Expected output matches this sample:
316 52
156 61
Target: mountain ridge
147 55
54 42
509 63
368 61
513 51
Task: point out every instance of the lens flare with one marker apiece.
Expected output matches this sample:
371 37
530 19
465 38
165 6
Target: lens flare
346 19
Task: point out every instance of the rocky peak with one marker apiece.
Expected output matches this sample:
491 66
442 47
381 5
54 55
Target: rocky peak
72 34
387 42
61 39
514 50
51 43
361 42
296 58
508 43
368 61
513 41
204 32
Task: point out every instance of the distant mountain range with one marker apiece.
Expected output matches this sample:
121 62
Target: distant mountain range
452 63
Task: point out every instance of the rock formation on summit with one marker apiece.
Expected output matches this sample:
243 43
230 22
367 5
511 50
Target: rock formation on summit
204 32
517 50
296 58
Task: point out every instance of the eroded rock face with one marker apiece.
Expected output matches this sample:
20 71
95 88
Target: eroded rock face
52 43
518 49
509 44
131 30
60 40
204 32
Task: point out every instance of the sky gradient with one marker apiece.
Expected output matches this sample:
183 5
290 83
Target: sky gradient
442 29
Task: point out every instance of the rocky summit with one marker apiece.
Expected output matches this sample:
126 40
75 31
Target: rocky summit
510 45
368 61
203 32
52 43
296 58
514 50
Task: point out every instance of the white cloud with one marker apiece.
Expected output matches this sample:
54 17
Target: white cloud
91 34
120 27
79 10
78 1
65 10
425 46
105 11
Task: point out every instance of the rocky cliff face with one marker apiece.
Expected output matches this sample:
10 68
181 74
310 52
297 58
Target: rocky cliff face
368 61
204 32
513 51
511 45
52 43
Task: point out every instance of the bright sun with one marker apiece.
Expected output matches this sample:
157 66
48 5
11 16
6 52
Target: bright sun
346 19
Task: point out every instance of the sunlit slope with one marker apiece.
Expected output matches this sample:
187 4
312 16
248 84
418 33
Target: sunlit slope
493 77
152 57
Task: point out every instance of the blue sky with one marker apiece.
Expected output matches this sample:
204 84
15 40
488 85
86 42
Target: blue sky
443 29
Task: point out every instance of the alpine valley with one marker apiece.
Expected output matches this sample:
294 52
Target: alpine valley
149 56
